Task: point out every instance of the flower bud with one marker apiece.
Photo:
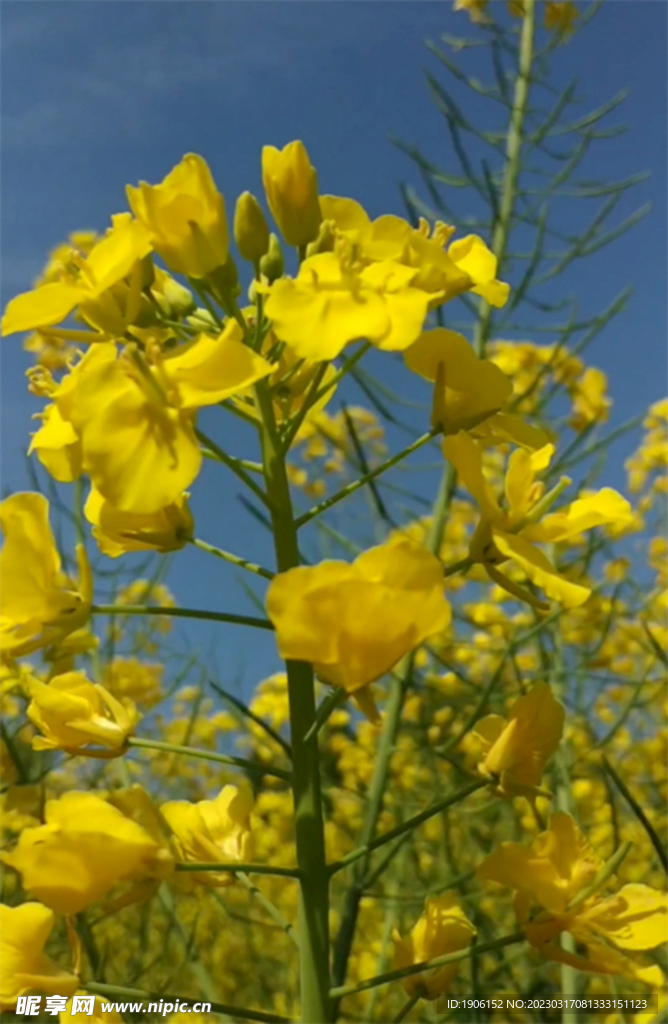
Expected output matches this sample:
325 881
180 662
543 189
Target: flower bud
175 299
325 240
250 228
272 264
291 187
185 215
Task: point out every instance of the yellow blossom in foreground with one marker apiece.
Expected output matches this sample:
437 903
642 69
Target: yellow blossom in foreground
291 186
467 389
73 714
136 421
116 256
472 256
40 606
517 750
334 301
24 931
57 446
86 847
354 622
185 215
441 271
443 928
213 831
550 879
116 532
511 532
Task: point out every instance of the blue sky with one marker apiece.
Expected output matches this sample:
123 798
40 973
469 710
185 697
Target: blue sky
99 94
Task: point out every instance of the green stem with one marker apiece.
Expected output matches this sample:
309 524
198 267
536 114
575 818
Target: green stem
363 480
237 868
407 1007
208 755
272 910
180 613
309 825
292 428
502 228
227 556
428 965
121 992
406 826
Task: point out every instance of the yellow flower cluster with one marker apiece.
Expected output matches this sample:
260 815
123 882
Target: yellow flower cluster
482 684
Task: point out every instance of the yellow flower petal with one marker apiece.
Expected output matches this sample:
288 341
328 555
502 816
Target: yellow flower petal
465 455
635 918
291 187
354 622
42 307
24 931
603 508
213 369
540 570
185 216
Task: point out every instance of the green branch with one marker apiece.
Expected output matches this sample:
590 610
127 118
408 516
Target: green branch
237 868
180 613
363 480
208 755
427 965
227 556
407 826
122 992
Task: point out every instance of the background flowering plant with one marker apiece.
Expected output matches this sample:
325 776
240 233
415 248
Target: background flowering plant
471 693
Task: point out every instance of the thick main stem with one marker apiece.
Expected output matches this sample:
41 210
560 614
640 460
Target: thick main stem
309 829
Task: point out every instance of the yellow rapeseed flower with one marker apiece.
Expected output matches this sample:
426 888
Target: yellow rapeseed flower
117 532
550 879
86 847
117 256
136 420
442 270
443 928
590 400
57 445
79 717
24 931
512 532
517 750
560 16
185 216
291 186
467 389
213 831
354 622
40 605
334 301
